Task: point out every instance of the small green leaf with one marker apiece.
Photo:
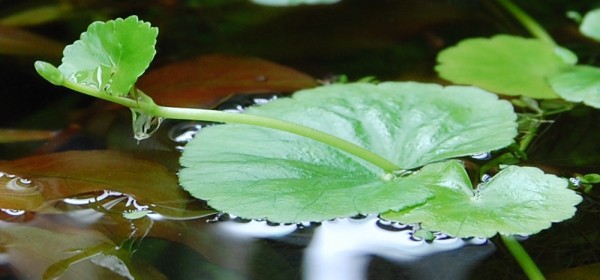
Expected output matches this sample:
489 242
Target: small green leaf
256 172
592 178
518 200
590 26
110 56
505 64
579 84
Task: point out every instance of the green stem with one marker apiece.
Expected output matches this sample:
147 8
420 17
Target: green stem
529 136
530 24
225 117
145 104
524 260
125 101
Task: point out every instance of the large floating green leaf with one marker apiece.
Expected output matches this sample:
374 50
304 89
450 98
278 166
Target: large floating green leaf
505 64
110 56
590 26
257 172
518 200
579 84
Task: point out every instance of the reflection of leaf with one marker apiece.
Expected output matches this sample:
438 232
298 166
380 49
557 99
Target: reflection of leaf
504 64
33 250
257 172
590 26
37 15
518 200
579 84
68 174
570 146
205 80
110 56
15 41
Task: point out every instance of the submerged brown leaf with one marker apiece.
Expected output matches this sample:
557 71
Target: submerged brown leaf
20 135
590 271
62 175
205 80
20 194
41 14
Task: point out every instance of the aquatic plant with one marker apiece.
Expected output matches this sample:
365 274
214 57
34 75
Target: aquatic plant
339 150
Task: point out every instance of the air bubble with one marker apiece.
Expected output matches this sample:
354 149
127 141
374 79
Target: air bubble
13 212
25 181
19 184
239 103
575 181
390 226
184 132
238 109
262 101
482 156
485 178
218 217
358 217
444 238
185 137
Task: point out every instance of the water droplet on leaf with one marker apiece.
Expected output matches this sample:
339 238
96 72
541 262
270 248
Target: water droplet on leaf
144 125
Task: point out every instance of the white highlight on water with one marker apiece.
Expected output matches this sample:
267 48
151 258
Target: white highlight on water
343 248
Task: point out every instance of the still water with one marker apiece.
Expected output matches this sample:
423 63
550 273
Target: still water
101 233
239 249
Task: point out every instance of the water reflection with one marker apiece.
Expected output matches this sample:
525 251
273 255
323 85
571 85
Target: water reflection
121 230
344 248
